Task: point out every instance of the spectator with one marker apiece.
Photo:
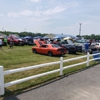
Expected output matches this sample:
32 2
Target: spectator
5 41
1 43
11 43
87 46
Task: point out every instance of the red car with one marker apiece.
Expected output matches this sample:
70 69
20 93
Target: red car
16 40
48 49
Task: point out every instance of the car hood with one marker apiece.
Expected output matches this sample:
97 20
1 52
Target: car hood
38 43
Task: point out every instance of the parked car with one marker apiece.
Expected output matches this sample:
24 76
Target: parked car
16 41
93 48
48 49
97 46
30 41
70 47
80 47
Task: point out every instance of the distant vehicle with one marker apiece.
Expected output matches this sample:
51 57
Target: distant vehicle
38 37
25 39
48 49
93 48
30 41
16 40
80 47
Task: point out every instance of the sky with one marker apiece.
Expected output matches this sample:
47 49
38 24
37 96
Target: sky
51 16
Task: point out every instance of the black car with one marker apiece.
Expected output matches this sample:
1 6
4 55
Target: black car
70 48
79 49
30 41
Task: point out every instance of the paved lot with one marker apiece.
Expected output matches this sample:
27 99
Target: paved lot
84 85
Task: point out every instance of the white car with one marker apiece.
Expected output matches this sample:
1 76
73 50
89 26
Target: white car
97 45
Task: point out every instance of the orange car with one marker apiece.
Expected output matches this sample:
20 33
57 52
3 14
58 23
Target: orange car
48 49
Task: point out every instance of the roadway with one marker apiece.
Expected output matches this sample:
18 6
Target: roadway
83 85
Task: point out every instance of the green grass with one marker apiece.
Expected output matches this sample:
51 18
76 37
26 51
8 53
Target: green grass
22 56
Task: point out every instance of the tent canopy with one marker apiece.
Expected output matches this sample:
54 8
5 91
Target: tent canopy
50 36
58 36
2 35
66 38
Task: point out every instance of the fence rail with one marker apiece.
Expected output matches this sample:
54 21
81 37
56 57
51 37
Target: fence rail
2 72
29 68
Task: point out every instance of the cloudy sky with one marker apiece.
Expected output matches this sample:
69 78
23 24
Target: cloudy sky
50 16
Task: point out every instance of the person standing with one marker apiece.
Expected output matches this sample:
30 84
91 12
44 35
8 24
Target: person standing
1 43
87 46
5 41
11 43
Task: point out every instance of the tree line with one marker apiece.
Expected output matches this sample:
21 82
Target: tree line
92 36
23 34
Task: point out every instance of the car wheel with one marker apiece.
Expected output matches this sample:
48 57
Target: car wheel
34 51
50 53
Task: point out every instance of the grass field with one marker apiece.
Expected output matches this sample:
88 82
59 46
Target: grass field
22 56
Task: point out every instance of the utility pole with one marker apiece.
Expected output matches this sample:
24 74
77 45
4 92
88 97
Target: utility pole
80 29
25 30
2 29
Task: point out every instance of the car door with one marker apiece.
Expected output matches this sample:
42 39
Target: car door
44 49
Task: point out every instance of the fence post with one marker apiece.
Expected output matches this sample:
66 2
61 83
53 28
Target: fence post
1 81
88 56
61 65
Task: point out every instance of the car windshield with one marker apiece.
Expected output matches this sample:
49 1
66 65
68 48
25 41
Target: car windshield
55 46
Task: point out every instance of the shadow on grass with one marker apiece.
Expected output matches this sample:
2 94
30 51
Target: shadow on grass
60 55
9 95
52 56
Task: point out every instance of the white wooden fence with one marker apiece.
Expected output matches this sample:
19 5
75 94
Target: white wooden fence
2 72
